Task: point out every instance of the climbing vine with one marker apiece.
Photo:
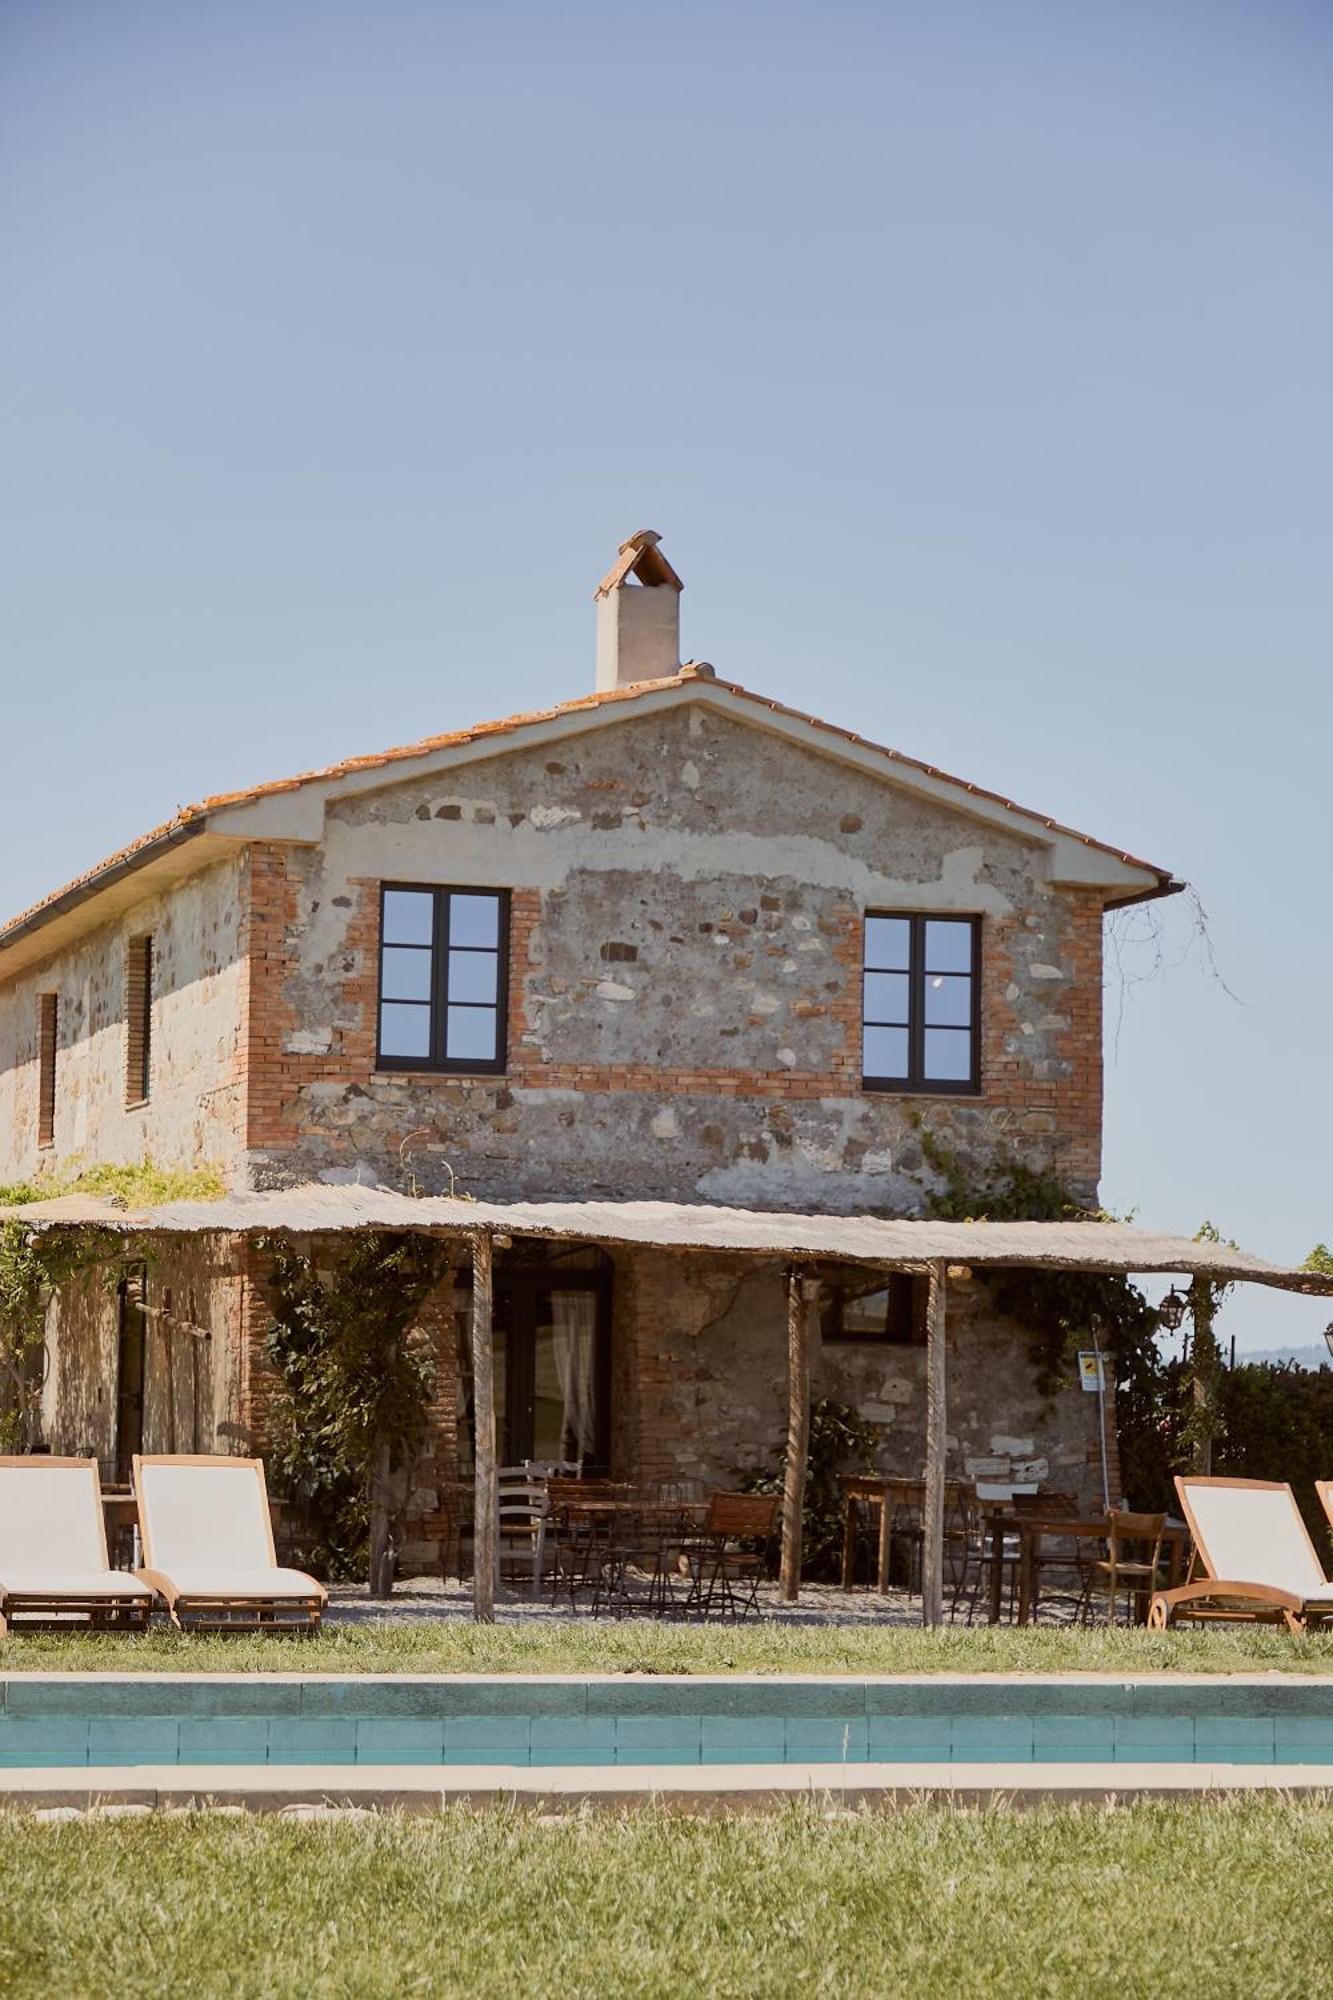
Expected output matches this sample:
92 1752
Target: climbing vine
35 1263
1063 1310
354 1381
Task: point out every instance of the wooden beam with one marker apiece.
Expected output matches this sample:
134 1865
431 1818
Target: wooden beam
932 1549
801 1293
486 1495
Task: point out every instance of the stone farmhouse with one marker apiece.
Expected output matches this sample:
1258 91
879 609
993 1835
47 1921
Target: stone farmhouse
669 939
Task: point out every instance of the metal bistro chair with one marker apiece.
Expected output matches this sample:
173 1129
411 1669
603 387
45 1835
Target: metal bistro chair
1132 1562
721 1563
579 1538
522 1509
979 1547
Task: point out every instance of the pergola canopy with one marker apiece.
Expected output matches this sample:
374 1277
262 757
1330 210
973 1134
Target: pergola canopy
857 1239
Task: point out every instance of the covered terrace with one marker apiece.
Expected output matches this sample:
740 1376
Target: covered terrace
803 1244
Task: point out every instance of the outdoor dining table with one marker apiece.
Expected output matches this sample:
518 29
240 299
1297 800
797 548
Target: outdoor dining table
887 1496
1031 1529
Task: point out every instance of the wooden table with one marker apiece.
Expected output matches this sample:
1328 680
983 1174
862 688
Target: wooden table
886 1496
1030 1529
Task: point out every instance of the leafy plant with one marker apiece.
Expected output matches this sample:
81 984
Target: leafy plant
33 1264
354 1380
840 1442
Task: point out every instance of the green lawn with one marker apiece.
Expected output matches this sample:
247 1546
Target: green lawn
582 1646
1151 1899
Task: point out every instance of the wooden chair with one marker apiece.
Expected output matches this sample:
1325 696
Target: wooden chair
722 1563
1132 1562
522 1509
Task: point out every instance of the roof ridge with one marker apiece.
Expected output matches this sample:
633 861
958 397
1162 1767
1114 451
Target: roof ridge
193 818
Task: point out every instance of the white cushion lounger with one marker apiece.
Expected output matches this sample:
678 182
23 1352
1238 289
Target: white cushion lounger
208 1546
54 1569
1260 1562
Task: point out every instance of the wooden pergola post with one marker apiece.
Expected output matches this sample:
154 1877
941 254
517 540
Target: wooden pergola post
486 1497
801 1294
932 1545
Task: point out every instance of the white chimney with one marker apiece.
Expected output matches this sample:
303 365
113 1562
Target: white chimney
638 616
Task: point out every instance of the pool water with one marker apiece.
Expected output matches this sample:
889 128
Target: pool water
67 1720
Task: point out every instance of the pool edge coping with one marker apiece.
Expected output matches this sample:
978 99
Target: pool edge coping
719 1787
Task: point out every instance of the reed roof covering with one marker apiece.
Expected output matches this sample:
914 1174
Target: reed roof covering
317 1210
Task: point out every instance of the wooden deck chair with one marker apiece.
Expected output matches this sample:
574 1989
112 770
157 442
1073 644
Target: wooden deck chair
54 1569
208 1547
1256 1550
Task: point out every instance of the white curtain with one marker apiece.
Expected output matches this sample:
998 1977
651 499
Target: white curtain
574 1323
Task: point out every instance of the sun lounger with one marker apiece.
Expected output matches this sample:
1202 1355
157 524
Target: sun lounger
54 1570
1260 1562
208 1547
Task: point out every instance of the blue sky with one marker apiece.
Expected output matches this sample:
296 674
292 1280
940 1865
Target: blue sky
973 361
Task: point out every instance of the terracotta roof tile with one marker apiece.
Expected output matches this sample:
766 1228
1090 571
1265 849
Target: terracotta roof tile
192 816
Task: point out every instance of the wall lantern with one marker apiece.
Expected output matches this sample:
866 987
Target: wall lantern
1328 1336
1171 1312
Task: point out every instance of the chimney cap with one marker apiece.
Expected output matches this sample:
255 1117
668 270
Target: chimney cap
639 556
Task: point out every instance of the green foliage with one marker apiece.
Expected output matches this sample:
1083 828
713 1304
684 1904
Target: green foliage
355 1378
138 1185
1320 1259
1275 1421
32 1265
1065 1310
840 1442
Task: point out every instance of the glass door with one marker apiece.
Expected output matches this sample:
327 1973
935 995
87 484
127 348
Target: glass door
552 1356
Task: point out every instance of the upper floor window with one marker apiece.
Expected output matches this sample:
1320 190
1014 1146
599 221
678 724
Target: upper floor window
921 1005
442 978
138 1019
48 1030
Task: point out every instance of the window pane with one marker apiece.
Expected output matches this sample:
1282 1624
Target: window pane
948 946
948 1055
948 1000
886 997
404 1031
888 944
404 974
474 920
867 1315
472 975
409 916
471 1034
885 1052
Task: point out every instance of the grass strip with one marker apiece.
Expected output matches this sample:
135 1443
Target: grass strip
581 1645
1146 1899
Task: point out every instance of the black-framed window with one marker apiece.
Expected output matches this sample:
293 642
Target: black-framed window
443 977
883 1312
921 1002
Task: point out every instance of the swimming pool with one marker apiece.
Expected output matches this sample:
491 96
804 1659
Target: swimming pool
527 1722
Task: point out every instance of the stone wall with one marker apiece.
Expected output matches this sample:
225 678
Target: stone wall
687 897
701 1385
194 1112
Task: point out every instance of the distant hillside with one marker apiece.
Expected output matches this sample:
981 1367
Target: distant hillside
1315 1356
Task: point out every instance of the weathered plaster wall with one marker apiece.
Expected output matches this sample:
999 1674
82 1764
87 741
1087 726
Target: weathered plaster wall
192 1344
685 979
701 1386
194 1109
